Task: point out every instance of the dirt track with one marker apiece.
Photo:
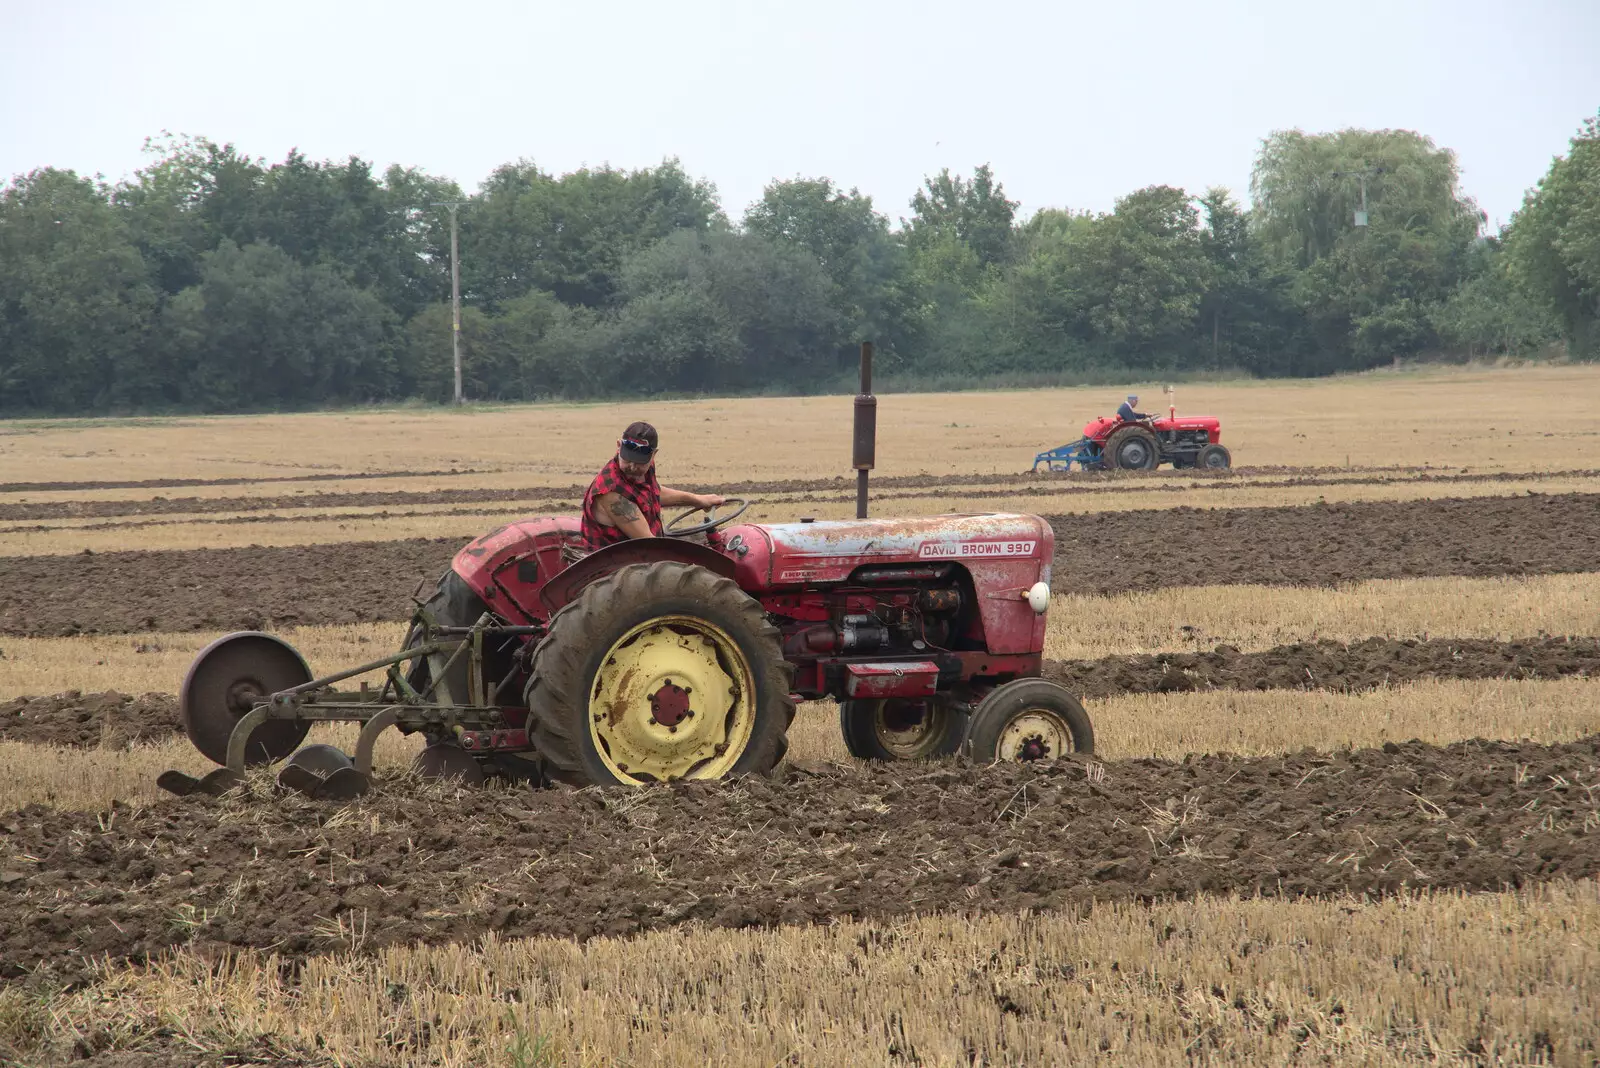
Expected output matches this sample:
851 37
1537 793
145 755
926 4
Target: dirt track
1106 552
444 866
89 720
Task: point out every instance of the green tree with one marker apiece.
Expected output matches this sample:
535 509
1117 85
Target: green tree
972 212
1368 293
75 299
262 331
1247 318
570 235
381 235
340 215
1124 288
852 242
1553 247
1489 314
726 309
426 359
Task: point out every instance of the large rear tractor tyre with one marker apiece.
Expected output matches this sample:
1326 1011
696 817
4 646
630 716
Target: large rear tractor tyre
659 672
1133 448
901 729
227 680
1213 458
1029 719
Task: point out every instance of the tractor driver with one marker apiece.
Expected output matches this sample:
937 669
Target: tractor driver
1126 412
624 500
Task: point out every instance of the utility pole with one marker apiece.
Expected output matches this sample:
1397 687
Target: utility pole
455 291
1370 172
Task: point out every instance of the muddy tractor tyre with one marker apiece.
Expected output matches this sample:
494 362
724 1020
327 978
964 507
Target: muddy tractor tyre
894 729
1133 448
1029 719
659 672
453 604
1213 458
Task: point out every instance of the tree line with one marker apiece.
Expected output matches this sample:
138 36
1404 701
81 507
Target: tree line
212 281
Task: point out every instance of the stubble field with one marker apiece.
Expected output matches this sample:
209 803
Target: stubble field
1343 806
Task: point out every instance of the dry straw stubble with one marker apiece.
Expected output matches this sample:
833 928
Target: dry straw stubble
1439 978
1488 419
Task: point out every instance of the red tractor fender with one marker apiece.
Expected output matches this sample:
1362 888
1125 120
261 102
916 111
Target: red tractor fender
565 586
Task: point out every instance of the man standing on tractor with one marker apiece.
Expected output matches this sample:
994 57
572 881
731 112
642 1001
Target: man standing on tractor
1126 413
624 500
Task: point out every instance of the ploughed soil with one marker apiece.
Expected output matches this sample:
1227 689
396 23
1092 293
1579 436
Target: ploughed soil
218 589
1326 544
1104 552
88 720
115 719
1330 665
887 488
434 863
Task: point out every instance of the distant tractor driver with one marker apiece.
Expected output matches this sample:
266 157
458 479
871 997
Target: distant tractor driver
1126 411
624 500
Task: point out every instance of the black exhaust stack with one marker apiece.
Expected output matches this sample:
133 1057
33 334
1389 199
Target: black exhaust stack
866 430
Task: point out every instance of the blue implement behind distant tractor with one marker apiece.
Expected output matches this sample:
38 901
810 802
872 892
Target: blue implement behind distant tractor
1084 452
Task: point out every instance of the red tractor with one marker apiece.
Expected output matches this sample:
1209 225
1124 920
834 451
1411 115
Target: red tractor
1110 442
666 658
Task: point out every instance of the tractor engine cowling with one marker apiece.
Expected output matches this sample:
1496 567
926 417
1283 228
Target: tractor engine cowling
902 607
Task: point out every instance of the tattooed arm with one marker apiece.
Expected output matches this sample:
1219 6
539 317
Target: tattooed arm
624 515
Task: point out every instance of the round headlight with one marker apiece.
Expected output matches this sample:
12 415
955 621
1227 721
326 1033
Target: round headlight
1039 597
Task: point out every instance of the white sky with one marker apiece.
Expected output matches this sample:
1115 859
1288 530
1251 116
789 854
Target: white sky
1072 103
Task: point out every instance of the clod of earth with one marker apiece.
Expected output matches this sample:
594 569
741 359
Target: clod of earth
85 721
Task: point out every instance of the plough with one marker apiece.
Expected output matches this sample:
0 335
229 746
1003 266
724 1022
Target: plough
1083 452
266 709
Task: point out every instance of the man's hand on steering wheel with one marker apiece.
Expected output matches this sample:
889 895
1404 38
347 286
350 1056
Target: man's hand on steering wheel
708 503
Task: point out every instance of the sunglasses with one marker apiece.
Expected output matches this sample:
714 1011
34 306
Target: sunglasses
639 446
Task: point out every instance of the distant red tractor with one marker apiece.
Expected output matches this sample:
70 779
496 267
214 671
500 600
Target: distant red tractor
1110 443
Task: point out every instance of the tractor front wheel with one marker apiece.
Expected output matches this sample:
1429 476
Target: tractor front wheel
902 729
1133 448
659 672
1213 458
1029 719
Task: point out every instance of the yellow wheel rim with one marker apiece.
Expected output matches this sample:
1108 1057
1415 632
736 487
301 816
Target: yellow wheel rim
908 736
673 699
1035 734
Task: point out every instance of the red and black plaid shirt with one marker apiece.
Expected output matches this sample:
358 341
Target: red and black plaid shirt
646 495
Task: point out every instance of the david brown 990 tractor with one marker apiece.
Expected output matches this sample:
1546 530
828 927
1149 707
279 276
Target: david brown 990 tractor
664 658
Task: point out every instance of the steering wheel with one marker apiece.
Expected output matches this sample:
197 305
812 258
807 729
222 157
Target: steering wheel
712 522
